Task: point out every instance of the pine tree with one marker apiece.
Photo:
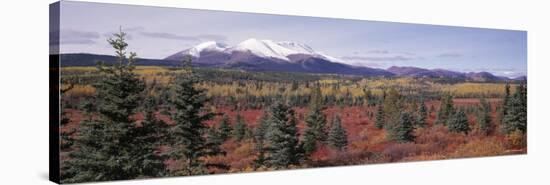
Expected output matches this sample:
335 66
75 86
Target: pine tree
484 117
516 115
402 130
111 146
446 109
225 128
380 120
422 114
283 148
189 115
337 137
240 129
458 122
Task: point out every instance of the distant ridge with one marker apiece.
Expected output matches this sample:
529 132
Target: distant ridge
300 63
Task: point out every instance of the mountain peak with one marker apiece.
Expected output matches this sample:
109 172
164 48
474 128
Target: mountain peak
205 46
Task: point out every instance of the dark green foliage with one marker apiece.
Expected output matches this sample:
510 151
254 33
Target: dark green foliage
337 137
259 140
369 98
240 130
188 133
484 117
505 103
225 128
315 131
516 112
446 109
282 144
213 141
422 114
112 146
380 120
392 105
458 122
402 130
150 137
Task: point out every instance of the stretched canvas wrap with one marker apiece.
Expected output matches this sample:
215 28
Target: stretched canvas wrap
146 92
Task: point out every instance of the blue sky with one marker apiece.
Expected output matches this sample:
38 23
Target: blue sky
158 32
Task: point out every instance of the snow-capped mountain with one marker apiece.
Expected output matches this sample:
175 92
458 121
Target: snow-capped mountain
196 51
267 55
260 48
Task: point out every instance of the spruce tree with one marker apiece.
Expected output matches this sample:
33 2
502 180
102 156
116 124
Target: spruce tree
505 103
213 141
150 137
225 128
189 115
315 131
259 140
516 115
402 130
240 129
446 109
484 117
458 122
422 114
111 146
380 120
337 137
392 105
283 148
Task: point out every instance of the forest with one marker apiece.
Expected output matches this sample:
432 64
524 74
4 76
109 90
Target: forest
124 121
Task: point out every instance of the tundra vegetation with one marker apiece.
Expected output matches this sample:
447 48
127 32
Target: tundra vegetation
124 121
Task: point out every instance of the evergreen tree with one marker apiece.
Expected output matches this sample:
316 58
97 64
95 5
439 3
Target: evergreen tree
392 105
188 132
150 136
225 128
337 137
446 109
316 96
422 114
380 120
505 103
315 131
283 148
484 117
240 130
402 130
111 146
213 141
459 122
516 114
259 140
392 111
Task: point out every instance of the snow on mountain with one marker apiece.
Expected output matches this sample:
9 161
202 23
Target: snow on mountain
262 48
205 46
297 48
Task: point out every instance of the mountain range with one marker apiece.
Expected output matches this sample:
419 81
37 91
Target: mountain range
267 55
